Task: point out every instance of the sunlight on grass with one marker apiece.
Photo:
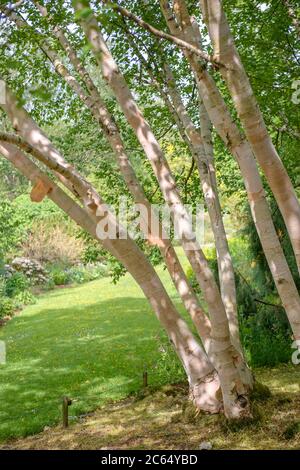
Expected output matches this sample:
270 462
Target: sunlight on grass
90 342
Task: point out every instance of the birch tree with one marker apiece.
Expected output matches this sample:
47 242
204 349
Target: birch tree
222 351
66 44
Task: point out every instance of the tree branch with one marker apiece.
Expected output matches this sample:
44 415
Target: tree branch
161 34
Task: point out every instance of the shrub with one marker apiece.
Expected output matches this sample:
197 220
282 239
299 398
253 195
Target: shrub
266 336
81 273
92 252
32 269
16 284
9 227
24 298
6 307
14 293
59 276
52 244
265 330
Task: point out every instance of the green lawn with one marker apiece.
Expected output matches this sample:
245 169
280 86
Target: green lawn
90 342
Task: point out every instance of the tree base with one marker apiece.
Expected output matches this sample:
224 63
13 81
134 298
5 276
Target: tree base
206 394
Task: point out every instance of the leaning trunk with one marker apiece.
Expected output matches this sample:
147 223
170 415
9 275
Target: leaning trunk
202 377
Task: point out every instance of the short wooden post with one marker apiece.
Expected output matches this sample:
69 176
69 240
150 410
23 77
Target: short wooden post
145 379
66 402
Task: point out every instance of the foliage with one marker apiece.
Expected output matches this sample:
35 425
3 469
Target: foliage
17 217
265 331
59 276
266 337
16 284
7 306
257 253
78 274
9 227
23 298
14 293
92 252
166 367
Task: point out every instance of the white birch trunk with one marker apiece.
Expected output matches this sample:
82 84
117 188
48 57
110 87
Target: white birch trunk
252 119
234 393
227 129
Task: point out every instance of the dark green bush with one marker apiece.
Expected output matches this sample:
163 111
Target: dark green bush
14 293
7 307
257 252
266 337
59 276
265 331
15 284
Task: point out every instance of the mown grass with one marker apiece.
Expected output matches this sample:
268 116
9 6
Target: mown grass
93 343
164 419
90 342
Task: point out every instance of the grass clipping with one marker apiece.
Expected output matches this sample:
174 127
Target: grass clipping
164 418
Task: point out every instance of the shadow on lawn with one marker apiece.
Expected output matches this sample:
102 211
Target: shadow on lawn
94 353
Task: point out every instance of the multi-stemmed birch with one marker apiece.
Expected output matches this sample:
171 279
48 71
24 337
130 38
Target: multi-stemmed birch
150 225
223 364
29 138
222 352
236 143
